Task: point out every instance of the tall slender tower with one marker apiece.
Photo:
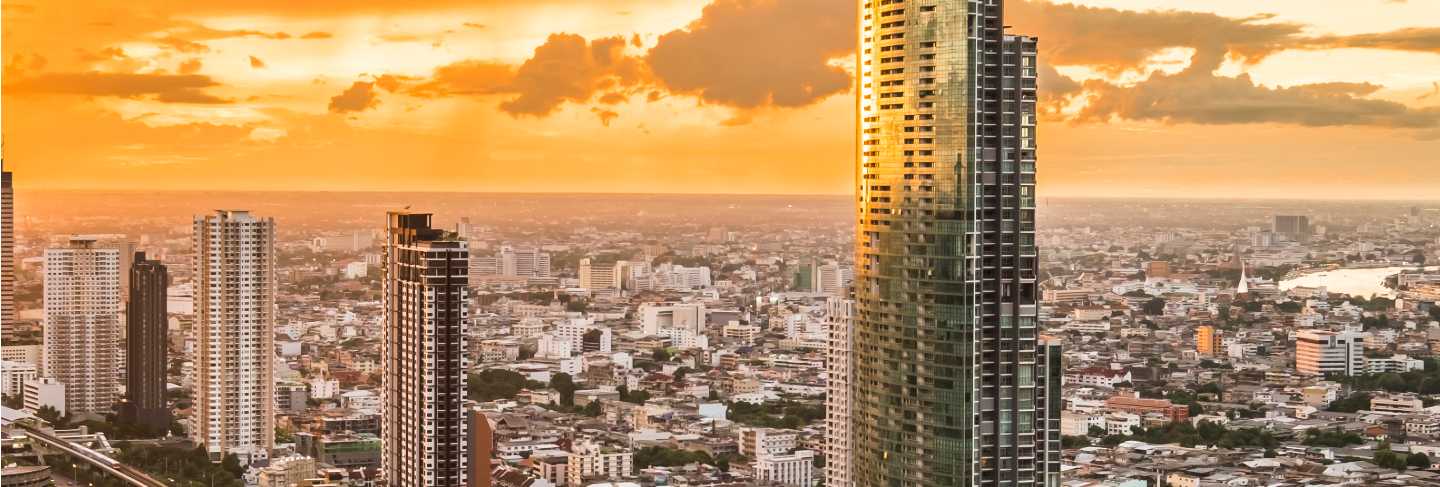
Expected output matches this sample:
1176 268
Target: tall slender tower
234 280
7 256
82 324
839 321
146 324
425 428
946 389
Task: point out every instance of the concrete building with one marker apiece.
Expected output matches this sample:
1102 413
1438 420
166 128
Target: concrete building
1207 341
13 376
7 256
233 271
147 329
658 316
82 324
43 392
761 442
839 314
590 460
602 276
788 469
1328 352
425 428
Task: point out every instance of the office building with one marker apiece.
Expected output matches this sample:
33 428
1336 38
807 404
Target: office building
838 315
1294 227
233 272
82 324
1328 352
13 376
425 425
42 392
602 276
7 256
796 469
655 317
146 327
946 387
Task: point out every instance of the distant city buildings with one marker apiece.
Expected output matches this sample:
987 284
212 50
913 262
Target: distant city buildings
426 302
82 324
233 271
1296 228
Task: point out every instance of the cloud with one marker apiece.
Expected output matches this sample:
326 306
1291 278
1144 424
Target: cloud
470 77
256 63
752 53
190 66
567 68
317 35
1418 39
183 88
605 115
359 96
1113 40
1196 96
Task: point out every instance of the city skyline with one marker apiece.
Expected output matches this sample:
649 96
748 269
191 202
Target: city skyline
222 95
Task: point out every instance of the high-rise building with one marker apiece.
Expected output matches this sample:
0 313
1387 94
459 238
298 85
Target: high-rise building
1328 352
839 314
234 382
425 426
146 340
946 386
82 324
602 276
7 256
1294 227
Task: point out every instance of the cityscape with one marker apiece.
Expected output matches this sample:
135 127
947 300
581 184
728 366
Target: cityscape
944 310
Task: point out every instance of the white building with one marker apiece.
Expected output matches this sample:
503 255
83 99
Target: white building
791 469
658 316
838 321
44 392
1396 363
13 376
234 385
82 324
1322 352
356 270
762 442
1121 423
1397 404
598 276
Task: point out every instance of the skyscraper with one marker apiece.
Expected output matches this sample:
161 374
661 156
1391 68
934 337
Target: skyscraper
234 383
946 389
82 323
7 256
425 428
1294 227
146 325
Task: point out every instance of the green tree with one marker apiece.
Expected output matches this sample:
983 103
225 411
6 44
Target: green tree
565 385
1155 307
1418 460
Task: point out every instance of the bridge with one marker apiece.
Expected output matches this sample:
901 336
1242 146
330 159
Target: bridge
20 426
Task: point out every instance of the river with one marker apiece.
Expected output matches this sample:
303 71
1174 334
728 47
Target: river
1355 282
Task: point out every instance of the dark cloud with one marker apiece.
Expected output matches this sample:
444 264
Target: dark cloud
256 63
1196 96
358 97
183 88
471 77
1418 39
752 53
190 66
604 115
567 68
317 35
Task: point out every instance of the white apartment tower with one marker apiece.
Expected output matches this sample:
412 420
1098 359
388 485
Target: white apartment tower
424 428
82 323
838 319
234 382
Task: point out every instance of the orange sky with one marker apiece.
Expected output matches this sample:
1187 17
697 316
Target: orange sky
1213 98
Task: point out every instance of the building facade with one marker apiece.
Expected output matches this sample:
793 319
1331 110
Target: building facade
147 327
7 256
839 315
82 324
424 430
234 383
1327 352
947 383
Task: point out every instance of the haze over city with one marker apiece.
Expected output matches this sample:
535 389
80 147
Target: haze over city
720 243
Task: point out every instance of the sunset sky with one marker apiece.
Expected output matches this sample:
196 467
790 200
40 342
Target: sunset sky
1216 98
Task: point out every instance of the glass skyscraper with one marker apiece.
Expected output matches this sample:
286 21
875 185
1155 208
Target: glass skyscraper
950 382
